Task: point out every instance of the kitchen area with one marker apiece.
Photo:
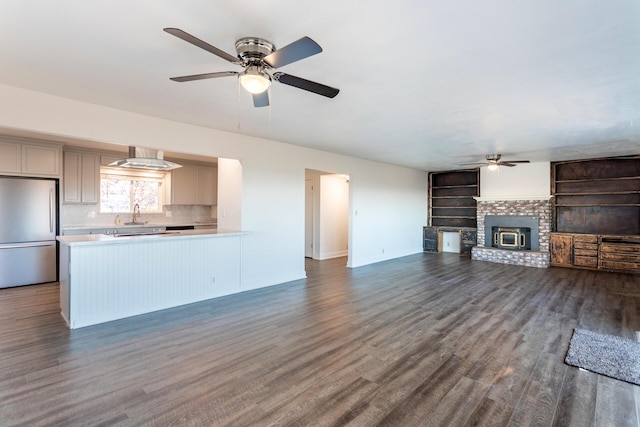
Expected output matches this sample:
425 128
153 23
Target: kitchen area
123 232
186 192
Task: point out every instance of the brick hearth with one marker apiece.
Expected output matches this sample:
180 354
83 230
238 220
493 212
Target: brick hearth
540 208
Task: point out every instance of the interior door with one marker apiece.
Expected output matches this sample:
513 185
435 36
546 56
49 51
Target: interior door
308 218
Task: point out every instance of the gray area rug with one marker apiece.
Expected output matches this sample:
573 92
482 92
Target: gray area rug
608 355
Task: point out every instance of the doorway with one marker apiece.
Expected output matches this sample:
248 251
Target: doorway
326 215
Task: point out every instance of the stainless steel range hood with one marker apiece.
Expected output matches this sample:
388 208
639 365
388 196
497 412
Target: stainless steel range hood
145 158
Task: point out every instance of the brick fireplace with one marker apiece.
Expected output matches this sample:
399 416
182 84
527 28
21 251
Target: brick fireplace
532 212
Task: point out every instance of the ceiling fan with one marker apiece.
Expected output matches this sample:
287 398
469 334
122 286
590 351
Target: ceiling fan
493 162
258 57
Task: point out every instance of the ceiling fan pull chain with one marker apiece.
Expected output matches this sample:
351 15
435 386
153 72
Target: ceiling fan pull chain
270 129
238 106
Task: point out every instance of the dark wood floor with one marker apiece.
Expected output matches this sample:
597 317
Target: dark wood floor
429 339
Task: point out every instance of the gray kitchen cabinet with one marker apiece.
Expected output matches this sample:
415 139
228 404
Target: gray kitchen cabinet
81 178
183 185
40 160
206 187
10 158
194 185
31 159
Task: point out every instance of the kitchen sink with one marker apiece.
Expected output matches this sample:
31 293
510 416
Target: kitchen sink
145 233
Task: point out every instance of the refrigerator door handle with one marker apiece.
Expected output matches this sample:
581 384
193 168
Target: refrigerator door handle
51 212
26 245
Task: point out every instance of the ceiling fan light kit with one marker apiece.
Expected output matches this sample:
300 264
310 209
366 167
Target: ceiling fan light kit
257 56
254 80
493 162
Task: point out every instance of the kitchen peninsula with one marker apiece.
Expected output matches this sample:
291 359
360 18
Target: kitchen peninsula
107 277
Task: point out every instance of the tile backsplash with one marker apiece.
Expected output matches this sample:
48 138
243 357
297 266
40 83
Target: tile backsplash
89 215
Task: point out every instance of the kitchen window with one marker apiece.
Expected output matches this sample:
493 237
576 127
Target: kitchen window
121 190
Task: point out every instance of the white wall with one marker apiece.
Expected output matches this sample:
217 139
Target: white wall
334 216
387 203
229 194
524 180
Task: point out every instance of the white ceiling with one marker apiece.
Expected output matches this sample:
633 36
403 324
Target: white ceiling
425 84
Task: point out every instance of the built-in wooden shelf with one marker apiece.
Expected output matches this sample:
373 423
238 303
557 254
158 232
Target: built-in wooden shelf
595 205
622 178
597 196
451 198
451 216
445 197
598 193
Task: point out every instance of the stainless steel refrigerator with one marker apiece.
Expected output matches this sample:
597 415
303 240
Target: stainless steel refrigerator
28 227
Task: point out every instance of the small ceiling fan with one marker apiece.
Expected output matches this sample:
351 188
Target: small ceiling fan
258 57
493 162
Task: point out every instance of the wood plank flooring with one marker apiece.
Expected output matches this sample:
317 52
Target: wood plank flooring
424 340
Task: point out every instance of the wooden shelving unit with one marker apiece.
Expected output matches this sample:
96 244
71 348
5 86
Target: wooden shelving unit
597 196
451 201
452 208
596 211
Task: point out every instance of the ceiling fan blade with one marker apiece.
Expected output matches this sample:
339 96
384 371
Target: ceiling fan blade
293 52
517 161
472 164
261 99
308 85
507 164
202 44
204 76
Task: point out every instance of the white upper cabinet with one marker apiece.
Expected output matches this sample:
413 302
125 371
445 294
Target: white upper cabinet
10 158
207 185
31 159
81 177
40 160
194 185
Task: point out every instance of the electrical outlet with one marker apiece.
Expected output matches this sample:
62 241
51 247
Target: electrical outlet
213 279
168 214
92 214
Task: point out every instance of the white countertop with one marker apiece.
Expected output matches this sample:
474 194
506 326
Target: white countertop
93 239
124 226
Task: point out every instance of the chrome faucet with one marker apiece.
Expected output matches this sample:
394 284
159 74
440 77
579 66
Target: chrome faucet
136 213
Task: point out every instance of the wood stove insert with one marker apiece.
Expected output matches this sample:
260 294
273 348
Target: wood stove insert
512 238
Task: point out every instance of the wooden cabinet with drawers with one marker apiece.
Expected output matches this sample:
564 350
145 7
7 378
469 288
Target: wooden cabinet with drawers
621 253
592 251
585 250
